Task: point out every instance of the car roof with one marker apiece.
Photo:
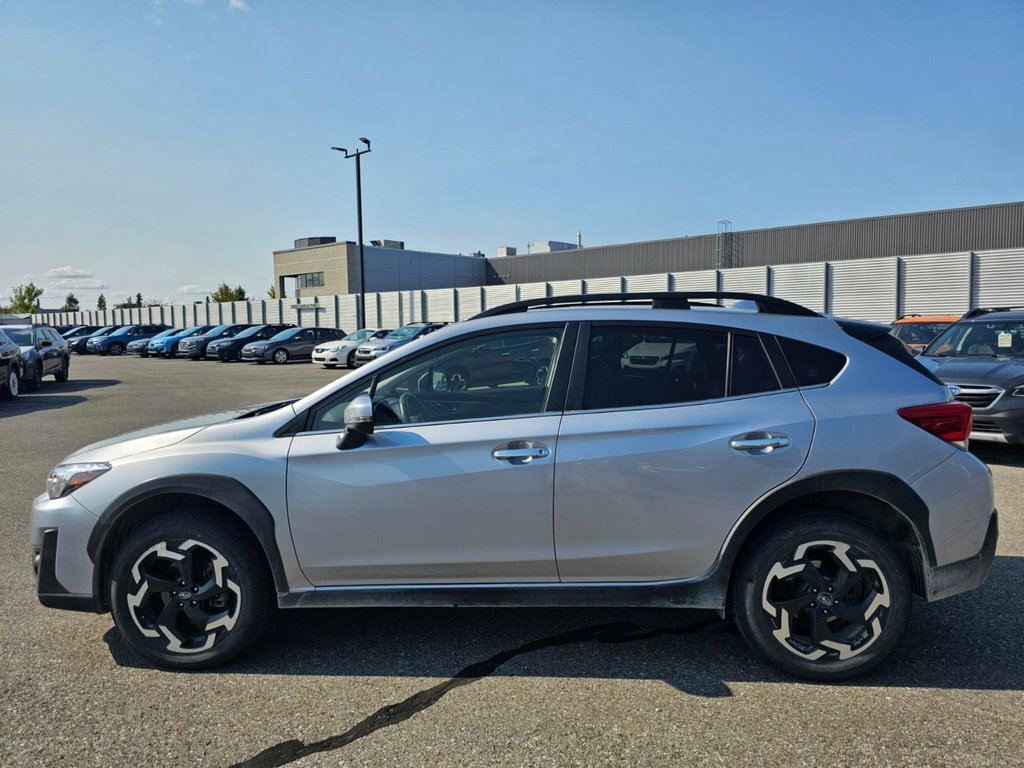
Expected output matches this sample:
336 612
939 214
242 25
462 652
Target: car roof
988 316
927 319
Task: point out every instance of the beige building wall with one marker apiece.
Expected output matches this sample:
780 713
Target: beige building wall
331 259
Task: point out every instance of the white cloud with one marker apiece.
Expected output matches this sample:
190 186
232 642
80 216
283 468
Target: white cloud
239 5
192 289
78 283
68 271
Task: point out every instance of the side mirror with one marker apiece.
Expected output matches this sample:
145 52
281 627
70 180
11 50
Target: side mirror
358 423
45 343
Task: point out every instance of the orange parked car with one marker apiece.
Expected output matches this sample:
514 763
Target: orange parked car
917 331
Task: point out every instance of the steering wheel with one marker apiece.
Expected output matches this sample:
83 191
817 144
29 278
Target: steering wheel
411 407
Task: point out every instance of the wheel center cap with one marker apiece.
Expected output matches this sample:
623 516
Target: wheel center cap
825 600
184 595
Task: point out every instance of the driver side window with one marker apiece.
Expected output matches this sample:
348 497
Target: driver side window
504 374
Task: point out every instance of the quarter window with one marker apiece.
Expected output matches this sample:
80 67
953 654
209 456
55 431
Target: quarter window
751 370
811 365
630 366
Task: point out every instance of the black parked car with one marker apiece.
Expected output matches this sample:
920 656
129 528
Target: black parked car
195 346
79 343
78 331
292 344
230 348
43 352
10 368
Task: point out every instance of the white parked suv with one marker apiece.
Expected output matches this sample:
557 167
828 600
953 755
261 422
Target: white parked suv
803 475
343 351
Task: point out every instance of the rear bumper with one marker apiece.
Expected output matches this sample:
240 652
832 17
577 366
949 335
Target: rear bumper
952 579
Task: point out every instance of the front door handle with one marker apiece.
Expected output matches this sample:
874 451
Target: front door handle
758 443
521 452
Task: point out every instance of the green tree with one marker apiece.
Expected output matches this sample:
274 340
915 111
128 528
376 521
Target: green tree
272 291
225 292
138 299
25 298
70 303
101 303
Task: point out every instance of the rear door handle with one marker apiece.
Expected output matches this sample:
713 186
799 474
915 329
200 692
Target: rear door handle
759 442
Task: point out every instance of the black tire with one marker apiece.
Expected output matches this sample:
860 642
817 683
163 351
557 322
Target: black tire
117 348
10 388
64 372
863 614
351 361
261 362
178 636
280 356
330 365
34 380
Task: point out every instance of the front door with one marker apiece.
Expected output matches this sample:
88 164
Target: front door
454 486
676 431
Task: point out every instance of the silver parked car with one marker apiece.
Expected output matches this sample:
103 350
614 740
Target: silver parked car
804 475
371 350
343 351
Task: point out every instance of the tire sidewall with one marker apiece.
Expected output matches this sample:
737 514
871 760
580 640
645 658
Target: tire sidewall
756 625
242 555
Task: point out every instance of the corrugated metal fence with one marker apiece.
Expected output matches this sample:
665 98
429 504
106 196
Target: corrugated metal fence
864 289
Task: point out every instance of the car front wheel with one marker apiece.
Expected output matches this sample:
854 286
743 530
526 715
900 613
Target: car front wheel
280 356
190 592
34 380
822 598
64 371
12 386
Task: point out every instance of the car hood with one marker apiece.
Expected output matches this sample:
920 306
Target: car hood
162 435
991 371
375 343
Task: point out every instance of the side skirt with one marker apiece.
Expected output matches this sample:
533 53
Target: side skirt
708 593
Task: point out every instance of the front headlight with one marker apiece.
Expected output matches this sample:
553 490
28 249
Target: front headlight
66 478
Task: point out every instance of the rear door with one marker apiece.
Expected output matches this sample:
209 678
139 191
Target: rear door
670 433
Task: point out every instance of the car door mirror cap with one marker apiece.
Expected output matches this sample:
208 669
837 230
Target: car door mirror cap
358 423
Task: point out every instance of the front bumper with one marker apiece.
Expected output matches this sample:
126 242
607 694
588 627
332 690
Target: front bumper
952 579
60 561
250 355
1002 422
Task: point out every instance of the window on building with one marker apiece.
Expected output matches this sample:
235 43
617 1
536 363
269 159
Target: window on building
310 280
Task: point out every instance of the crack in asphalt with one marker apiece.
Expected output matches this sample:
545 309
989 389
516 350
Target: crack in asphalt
393 714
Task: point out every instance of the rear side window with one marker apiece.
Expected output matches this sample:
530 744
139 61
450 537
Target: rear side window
811 365
752 372
629 366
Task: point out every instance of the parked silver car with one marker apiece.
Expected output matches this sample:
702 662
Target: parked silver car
804 475
343 351
371 350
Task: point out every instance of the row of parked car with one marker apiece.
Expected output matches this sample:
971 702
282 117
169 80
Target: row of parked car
264 343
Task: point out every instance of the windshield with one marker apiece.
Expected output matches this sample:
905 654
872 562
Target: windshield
104 330
123 331
285 334
20 336
217 330
406 332
195 329
168 332
993 338
917 333
250 332
360 335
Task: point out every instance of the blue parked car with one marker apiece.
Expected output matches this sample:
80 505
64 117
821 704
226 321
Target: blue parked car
141 346
78 344
117 342
167 346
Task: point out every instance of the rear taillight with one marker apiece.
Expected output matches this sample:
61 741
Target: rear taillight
949 421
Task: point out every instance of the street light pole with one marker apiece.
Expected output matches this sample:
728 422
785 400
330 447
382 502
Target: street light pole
359 224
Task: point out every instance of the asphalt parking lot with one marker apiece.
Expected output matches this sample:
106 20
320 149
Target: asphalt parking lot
480 687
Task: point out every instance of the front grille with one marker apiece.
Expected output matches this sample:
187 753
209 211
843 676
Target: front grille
978 397
986 425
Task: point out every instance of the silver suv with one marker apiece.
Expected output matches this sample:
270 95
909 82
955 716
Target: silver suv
804 475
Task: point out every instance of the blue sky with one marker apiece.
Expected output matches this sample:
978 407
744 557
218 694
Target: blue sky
165 146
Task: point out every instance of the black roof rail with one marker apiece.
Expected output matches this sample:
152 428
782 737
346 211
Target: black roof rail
979 311
658 300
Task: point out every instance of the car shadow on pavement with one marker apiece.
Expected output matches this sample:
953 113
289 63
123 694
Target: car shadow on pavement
42 401
970 641
1003 455
76 385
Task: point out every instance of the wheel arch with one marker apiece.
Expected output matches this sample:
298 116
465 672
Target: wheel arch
880 501
221 495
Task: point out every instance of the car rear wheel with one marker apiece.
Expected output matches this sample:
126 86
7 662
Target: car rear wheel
11 388
34 380
822 597
64 371
280 356
190 592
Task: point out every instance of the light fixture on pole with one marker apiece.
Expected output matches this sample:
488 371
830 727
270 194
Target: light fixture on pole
359 223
